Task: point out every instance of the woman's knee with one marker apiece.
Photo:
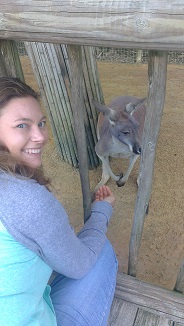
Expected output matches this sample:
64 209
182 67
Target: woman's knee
108 254
87 299
68 316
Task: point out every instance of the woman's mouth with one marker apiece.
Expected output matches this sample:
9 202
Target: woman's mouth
32 151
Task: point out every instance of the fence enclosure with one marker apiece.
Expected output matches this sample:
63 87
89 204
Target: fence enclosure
143 25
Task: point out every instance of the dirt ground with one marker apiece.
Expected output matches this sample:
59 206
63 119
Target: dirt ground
162 246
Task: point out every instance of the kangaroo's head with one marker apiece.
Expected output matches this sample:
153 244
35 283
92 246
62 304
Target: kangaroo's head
122 124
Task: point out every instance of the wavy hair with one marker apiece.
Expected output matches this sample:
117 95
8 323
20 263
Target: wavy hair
11 88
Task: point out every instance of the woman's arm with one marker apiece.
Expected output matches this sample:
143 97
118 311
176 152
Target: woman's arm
34 217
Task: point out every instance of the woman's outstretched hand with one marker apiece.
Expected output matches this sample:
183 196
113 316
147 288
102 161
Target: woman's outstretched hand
104 193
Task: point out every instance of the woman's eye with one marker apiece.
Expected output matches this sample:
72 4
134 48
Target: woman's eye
42 124
22 125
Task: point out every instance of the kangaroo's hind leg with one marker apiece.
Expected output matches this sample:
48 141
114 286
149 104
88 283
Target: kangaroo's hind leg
122 181
106 172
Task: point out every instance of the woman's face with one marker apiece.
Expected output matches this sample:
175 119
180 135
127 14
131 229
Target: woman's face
23 130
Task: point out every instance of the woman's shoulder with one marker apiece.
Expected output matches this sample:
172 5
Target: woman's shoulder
20 195
9 180
18 186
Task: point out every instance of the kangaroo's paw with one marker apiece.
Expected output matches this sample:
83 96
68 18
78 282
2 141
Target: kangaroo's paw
120 183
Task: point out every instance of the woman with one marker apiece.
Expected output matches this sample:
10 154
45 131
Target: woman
35 235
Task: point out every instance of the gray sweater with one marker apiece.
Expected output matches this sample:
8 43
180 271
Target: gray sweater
35 218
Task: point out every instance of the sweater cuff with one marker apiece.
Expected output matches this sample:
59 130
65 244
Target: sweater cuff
102 207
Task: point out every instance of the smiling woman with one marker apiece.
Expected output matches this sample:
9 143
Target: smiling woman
35 234
23 131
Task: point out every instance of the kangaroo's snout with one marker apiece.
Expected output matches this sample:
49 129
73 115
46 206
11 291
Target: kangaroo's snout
137 149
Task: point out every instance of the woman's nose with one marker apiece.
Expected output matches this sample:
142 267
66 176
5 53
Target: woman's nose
39 135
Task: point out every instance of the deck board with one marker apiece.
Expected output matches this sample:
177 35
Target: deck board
127 314
122 311
147 318
138 303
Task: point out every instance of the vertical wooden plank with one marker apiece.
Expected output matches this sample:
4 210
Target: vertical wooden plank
157 73
179 286
45 64
75 59
9 58
175 324
122 313
149 319
51 66
3 70
91 90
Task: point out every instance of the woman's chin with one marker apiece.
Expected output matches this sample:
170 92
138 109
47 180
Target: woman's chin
33 164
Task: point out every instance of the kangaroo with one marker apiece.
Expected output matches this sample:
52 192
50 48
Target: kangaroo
119 132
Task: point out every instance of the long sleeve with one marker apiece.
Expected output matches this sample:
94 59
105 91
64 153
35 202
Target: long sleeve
35 218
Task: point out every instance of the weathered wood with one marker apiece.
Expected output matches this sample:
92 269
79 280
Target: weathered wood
149 319
51 66
53 89
127 314
179 286
139 56
157 71
154 299
3 70
119 23
75 58
10 64
122 313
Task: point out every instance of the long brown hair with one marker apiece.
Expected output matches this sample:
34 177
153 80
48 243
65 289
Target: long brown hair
10 88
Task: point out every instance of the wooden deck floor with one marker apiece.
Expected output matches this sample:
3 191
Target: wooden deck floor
138 303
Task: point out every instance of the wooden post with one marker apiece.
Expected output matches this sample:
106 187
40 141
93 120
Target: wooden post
75 58
179 286
157 72
3 70
9 60
139 56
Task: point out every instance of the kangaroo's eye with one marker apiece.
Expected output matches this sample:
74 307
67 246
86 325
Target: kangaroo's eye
125 132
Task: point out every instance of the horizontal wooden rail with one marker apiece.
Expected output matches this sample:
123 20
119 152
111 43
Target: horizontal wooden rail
143 24
168 304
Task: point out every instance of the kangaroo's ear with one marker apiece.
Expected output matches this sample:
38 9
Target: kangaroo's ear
110 113
131 107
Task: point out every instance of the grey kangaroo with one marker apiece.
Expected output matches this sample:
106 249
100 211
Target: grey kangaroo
119 132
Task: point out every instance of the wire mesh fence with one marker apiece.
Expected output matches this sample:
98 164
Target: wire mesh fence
121 55
133 55
21 48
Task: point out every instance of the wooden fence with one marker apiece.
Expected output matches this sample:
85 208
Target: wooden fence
143 24
157 26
